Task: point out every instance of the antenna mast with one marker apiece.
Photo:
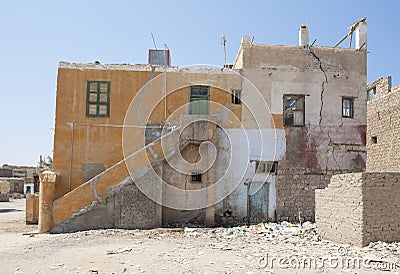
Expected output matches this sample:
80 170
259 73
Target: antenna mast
223 42
154 41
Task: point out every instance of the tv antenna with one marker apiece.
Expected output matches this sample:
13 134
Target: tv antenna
223 42
154 41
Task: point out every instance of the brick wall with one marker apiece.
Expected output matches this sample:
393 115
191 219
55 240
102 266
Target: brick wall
383 138
295 192
359 208
313 155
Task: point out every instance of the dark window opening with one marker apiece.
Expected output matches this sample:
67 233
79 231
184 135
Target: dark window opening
347 107
236 95
374 139
267 167
371 93
293 110
98 99
196 177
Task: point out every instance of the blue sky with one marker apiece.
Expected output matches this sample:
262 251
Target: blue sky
36 35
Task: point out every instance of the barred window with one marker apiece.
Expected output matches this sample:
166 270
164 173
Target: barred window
196 176
236 96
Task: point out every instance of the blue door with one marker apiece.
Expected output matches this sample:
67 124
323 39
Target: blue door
258 195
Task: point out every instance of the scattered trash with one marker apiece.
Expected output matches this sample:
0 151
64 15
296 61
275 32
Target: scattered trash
56 266
119 251
30 234
191 232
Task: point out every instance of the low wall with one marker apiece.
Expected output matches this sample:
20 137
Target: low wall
359 208
32 209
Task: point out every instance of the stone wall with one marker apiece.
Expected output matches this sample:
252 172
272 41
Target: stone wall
359 208
383 138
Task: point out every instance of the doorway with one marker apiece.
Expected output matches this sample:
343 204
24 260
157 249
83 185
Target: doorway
258 200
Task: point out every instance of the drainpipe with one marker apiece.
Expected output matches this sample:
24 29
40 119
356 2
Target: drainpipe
71 152
247 183
165 80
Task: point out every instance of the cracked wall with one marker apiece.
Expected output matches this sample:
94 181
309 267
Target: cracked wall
328 143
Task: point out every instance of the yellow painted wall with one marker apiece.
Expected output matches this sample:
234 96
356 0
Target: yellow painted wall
93 142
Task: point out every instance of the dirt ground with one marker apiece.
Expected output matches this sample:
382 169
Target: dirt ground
262 248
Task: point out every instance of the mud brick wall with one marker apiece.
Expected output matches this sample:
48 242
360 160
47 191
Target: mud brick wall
383 138
359 208
381 200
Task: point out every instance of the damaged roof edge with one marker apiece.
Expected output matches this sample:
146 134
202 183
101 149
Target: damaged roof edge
144 67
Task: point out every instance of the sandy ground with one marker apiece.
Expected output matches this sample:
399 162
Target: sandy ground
179 250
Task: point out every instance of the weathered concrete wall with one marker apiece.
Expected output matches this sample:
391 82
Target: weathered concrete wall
359 208
81 140
183 181
123 207
98 187
327 143
90 143
383 131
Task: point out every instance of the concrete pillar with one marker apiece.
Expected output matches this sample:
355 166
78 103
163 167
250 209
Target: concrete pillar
46 195
361 36
303 36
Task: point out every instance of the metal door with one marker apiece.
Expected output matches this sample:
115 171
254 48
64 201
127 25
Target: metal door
258 195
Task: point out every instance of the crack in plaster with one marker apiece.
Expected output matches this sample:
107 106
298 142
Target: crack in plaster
323 82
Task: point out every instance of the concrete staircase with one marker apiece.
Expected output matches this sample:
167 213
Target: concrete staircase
92 204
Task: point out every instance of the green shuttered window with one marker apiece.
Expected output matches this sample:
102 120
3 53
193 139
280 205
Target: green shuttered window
98 99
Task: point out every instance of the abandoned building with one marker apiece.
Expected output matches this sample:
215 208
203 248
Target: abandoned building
141 146
22 179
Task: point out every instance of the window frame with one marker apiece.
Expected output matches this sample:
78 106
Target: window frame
351 115
98 103
298 96
236 96
268 167
199 98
